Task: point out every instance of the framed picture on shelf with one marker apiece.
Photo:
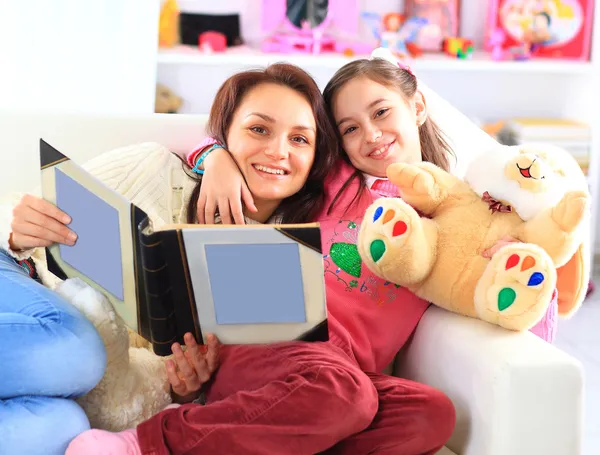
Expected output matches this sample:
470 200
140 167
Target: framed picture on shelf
559 29
441 18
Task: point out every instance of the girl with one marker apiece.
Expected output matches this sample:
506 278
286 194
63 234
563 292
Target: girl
381 118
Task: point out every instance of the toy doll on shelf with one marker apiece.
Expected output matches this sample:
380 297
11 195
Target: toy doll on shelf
396 33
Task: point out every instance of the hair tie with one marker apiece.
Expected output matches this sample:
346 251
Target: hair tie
385 54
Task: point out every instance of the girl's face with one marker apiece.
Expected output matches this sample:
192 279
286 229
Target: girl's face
378 125
272 138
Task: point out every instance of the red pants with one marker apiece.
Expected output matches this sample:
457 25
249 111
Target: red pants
302 398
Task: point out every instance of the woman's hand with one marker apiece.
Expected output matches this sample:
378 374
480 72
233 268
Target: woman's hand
506 240
223 189
191 369
38 223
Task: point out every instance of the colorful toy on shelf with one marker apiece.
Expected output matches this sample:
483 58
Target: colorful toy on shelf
304 26
210 42
396 33
461 48
495 43
168 24
545 28
442 21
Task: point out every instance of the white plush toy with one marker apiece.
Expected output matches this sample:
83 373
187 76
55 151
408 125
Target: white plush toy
135 385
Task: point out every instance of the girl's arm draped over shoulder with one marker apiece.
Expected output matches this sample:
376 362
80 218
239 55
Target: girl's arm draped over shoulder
223 188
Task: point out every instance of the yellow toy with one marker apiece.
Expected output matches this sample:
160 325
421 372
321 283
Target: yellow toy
535 194
168 24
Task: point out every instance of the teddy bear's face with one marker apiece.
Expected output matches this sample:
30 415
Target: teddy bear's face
529 178
533 170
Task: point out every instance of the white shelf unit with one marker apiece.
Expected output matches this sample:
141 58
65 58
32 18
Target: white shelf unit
480 61
483 89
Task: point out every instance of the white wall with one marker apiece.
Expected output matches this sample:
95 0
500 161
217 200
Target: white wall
87 56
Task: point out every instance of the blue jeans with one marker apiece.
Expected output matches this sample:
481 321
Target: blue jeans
49 354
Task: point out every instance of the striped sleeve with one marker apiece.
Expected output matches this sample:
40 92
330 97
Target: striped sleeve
191 158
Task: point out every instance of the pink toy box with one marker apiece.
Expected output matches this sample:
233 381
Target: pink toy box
332 28
442 21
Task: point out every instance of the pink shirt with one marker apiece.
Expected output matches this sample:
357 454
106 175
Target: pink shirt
370 318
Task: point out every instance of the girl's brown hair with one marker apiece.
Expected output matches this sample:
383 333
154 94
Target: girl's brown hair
306 204
434 147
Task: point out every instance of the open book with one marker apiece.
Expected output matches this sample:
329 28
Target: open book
245 284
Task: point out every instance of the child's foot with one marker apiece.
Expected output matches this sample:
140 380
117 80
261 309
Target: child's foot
99 442
516 287
394 243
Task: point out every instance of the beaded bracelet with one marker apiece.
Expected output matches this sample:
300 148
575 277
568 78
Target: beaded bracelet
203 157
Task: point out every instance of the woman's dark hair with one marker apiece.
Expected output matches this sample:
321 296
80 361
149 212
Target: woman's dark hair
306 204
434 148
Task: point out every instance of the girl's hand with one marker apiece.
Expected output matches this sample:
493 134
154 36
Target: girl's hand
38 223
223 189
506 240
191 369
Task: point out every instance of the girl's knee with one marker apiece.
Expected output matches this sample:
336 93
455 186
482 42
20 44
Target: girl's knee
352 394
440 415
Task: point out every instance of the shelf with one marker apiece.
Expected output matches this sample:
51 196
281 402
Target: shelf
480 61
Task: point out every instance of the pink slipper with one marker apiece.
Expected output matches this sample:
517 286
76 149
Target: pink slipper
100 442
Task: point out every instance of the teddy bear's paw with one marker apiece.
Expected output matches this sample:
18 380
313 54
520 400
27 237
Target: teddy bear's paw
571 210
516 287
411 179
391 241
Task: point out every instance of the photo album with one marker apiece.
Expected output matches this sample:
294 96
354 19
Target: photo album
246 284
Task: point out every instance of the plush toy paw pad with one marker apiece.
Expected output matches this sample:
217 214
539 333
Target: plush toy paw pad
377 249
535 279
377 214
516 287
399 228
506 297
389 216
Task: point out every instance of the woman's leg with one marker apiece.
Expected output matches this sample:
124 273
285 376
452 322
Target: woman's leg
413 419
39 425
298 399
47 349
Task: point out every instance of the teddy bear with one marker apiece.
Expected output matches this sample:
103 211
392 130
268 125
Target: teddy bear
431 239
166 101
135 385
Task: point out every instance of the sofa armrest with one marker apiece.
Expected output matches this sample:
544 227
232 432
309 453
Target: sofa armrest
514 393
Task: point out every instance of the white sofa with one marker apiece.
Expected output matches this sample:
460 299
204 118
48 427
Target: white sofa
514 393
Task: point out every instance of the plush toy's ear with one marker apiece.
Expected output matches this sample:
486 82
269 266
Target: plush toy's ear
572 281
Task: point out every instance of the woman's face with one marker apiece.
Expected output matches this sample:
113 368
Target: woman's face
272 137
